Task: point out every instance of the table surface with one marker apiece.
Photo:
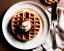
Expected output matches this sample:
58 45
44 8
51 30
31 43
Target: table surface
4 6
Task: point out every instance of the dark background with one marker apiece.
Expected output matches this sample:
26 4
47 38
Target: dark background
4 6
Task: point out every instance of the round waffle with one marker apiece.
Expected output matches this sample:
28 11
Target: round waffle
26 15
49 2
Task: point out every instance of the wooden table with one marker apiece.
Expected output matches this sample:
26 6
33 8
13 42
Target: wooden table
4 6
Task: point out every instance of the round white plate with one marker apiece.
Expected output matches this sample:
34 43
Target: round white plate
38 40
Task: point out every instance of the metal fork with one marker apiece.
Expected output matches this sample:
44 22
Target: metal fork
53 17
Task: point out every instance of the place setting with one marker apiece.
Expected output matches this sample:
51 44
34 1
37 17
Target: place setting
27 25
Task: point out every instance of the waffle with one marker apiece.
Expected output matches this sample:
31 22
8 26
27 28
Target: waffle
51 1
23 15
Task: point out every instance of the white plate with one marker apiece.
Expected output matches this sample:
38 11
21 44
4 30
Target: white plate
34 42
